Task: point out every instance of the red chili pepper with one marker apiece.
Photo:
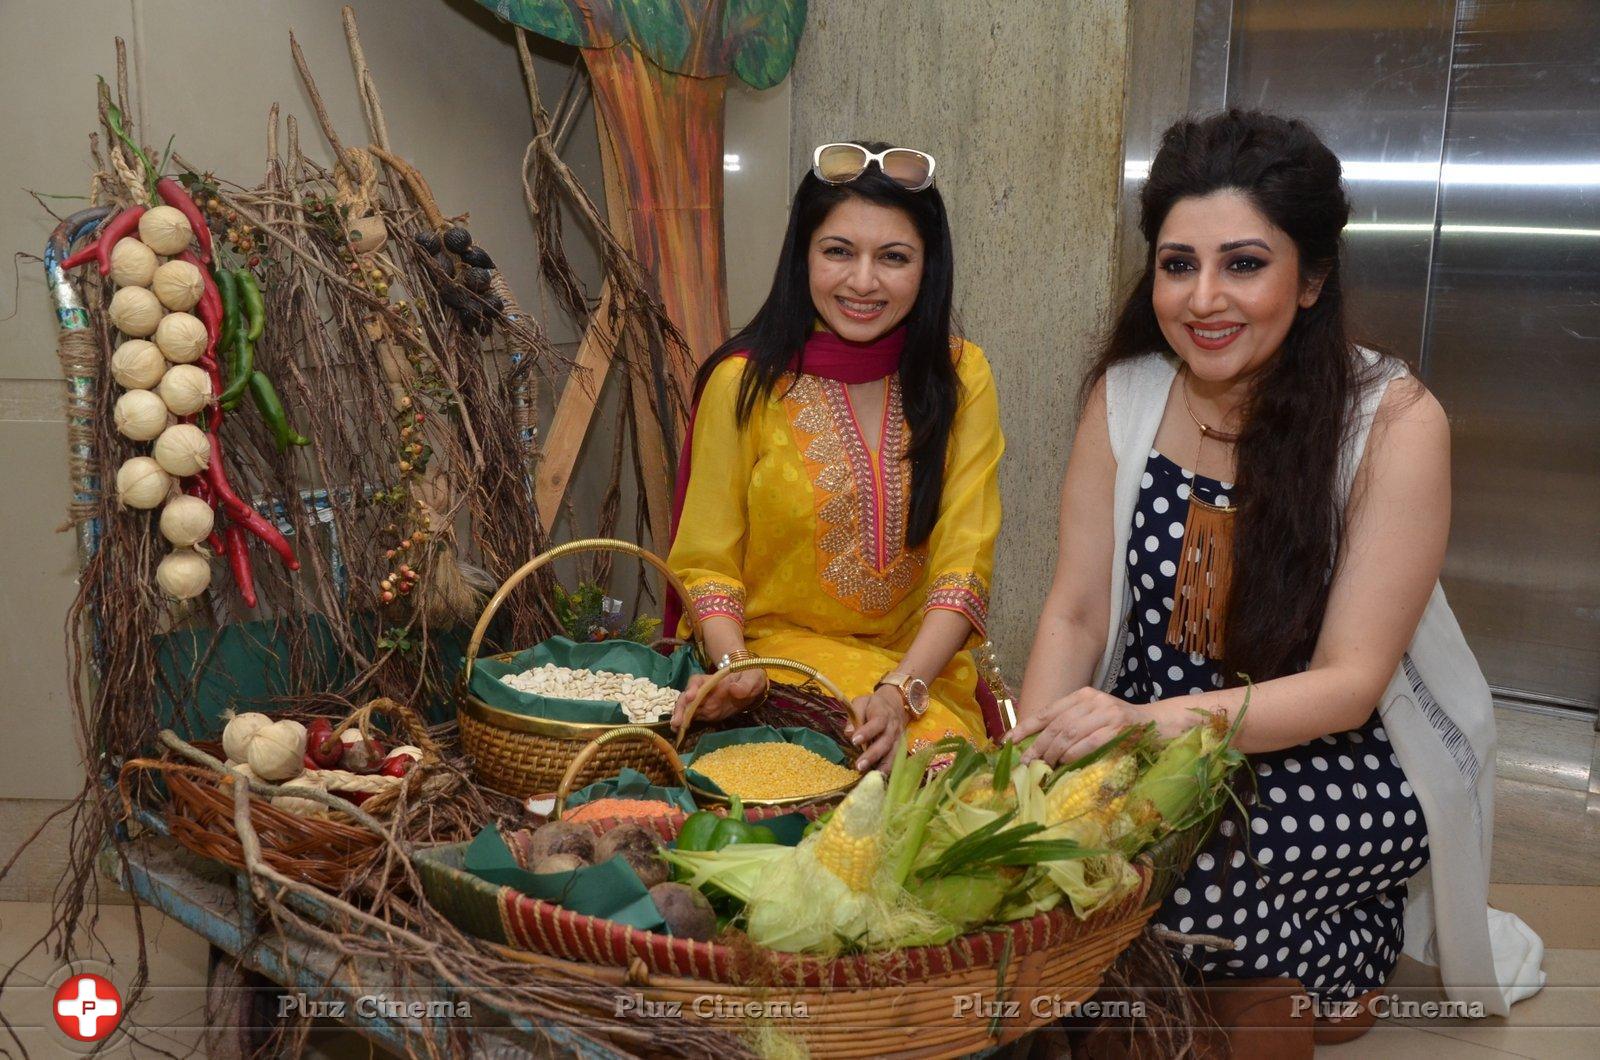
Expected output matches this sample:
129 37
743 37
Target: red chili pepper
239 562
111 232
209 310
173 195
218 545
241 512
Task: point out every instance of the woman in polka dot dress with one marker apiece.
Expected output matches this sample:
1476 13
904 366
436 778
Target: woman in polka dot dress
1337 830
1240 462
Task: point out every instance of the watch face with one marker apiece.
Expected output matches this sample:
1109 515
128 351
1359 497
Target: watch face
917 696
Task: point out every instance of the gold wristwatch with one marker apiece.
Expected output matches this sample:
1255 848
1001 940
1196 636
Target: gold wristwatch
913 691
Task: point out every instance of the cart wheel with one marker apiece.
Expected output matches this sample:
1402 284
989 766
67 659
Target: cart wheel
238 1020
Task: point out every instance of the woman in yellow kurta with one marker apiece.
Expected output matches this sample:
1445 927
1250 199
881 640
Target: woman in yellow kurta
840 505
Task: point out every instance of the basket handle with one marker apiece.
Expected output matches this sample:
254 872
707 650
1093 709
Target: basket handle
595 544
617 735
407 721
809 672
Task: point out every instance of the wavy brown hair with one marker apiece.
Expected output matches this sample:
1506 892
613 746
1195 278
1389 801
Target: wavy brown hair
1287 533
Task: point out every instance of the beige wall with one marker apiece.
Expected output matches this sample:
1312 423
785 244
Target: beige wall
447 72
1021 103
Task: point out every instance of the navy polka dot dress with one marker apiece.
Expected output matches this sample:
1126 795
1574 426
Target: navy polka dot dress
1316 890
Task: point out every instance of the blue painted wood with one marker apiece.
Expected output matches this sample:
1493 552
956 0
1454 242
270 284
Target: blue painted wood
167 877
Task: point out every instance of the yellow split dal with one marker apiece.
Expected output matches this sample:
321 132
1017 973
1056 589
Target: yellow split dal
771 771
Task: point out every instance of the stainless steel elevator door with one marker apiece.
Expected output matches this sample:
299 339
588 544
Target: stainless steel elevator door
1512 346
1470 134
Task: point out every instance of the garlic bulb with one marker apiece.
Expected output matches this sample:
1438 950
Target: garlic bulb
240 730
367 235
277 750
187 521
184 573
185 388
165 230
182 450
140 415
181 336
137 364
142 483
411 750
135 312
132 264
243 770
178 285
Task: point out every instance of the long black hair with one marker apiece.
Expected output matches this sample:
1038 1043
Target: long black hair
777 333
1300 407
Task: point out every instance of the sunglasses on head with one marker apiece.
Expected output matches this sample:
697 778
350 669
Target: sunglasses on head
842 163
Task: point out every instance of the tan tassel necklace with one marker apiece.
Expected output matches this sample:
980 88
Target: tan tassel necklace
1205 570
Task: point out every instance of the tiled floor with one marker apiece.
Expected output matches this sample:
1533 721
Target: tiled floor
1546 870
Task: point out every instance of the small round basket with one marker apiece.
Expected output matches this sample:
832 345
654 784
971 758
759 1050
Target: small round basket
702 795
328 851
520 755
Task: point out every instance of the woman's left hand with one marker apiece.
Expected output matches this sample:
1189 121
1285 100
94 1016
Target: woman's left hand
883 719
1076 724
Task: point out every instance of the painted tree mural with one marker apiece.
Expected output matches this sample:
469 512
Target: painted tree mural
659 70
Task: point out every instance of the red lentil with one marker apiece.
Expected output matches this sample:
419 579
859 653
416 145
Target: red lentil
600 809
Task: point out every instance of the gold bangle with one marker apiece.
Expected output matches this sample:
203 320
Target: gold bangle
737 655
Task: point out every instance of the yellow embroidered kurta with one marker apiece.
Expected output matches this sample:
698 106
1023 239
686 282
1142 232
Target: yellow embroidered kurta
792 527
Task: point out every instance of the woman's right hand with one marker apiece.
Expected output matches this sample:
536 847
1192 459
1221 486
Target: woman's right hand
731 695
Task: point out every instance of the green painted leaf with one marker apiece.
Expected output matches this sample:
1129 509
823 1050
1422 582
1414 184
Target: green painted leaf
764 35
756 40
557 19
662 30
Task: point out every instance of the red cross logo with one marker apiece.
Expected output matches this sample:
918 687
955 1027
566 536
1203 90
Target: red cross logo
87 1008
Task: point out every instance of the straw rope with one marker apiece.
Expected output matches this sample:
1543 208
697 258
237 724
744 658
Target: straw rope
79 354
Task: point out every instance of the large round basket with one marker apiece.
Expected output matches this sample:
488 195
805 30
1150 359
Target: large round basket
975 992
523 756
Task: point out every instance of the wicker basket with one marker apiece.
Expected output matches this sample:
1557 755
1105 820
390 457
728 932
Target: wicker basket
666 825
521 755
930 1001
763 663
327 852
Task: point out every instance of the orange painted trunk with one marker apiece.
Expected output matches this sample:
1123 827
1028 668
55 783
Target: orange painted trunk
668 129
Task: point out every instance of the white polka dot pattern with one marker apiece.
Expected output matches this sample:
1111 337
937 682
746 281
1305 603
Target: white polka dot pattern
1333 835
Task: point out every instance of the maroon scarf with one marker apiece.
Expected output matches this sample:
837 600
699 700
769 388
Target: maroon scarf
824 354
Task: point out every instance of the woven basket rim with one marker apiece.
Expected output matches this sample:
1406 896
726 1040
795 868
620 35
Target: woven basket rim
1026 936
580 731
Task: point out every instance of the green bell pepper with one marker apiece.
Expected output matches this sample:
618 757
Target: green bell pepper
734 829
695 835
707 831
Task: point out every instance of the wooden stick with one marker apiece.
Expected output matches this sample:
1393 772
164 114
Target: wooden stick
316 99
575 408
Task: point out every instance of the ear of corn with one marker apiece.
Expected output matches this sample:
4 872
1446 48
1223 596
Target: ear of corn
1185 771
1094 790
851 844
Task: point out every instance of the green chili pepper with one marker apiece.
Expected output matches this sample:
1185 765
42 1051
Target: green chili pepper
272 411
239 369
255 310
696 832
228 288
734 830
